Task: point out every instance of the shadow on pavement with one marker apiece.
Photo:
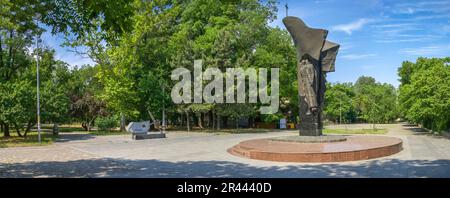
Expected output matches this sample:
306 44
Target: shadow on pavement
187 169
423 132
67 137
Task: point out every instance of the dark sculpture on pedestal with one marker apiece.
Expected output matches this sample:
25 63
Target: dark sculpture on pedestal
315 57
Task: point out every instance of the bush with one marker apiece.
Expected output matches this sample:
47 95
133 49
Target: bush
272 118
106 123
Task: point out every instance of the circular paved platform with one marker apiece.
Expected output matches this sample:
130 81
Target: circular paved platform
354 148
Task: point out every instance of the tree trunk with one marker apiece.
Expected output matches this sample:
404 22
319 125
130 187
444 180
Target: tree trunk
18 130
88 125
251 122
84 125
213 120
199 121
1 56
218 122
181 120
187 121
225 122
6 130
55 130
122 122
207 117
29 125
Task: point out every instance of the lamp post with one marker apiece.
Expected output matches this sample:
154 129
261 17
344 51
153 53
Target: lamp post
37 90
340 110
164 111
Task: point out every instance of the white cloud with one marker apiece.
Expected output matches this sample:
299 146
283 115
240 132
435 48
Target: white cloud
407 38
432 16
395 25
357 56
350 27
345 47
407 10
421 7
445 29
432 50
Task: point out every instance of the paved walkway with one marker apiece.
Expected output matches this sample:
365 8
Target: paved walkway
204 155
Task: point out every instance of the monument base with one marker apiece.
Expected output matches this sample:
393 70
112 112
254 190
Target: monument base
311 139
150 135
352 149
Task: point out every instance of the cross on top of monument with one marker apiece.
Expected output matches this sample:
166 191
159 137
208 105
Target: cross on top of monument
286 6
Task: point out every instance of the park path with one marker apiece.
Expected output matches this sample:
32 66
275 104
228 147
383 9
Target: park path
204 155
421 144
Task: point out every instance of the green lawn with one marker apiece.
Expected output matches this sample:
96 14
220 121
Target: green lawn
103 133
355 131
77 128
325 131
64 128
231 131
47 138
30 140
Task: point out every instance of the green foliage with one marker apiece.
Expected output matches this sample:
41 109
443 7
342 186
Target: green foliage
375 102
76 16
272 118
236 111
137 43
367 100
106 123
425 92
171 34
87 108
15 102
338 103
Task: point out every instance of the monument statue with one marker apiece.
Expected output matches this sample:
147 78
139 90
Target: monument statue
315 57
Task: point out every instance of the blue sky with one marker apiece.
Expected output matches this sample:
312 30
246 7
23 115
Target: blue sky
376 36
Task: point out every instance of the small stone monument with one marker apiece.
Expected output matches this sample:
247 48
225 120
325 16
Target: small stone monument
315 57
138 127
140 130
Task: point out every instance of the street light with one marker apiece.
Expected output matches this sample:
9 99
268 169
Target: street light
164 109
37 92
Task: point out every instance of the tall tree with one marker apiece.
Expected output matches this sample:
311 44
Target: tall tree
425 92
375 102
339 103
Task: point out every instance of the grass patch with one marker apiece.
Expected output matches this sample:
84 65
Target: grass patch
66 129
104 133
234 131
30 140
355 131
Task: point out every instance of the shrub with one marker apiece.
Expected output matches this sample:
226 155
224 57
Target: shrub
106 123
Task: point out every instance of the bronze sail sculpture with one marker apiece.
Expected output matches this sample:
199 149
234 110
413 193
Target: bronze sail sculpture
315 57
